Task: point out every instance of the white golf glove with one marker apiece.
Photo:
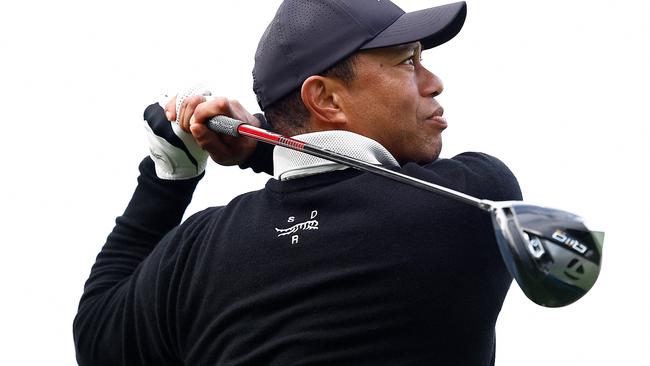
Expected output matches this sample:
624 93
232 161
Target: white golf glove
175 152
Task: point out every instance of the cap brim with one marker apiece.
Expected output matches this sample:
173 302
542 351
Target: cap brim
432 27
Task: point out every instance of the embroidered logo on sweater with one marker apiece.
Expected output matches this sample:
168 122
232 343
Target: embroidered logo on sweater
310 224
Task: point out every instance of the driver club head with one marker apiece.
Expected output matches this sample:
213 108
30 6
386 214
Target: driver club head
552 254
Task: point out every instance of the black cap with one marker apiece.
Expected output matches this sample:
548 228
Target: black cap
307 37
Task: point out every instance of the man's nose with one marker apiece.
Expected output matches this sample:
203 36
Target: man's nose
429 84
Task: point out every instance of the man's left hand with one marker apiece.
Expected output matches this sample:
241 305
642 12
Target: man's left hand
175 152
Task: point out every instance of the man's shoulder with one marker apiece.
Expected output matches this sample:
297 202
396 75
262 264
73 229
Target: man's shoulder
481 162
496 180
478 174
199 221
213 214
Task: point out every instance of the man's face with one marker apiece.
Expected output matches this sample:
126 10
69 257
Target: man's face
391 100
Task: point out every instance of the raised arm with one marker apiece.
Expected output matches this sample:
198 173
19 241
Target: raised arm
124 307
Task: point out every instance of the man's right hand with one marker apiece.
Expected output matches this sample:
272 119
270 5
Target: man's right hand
195 111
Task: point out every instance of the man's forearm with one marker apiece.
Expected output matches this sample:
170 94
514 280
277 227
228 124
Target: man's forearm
157 206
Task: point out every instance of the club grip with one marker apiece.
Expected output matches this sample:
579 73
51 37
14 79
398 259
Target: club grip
225 125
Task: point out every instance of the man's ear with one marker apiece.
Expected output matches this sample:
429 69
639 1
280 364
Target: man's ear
321 96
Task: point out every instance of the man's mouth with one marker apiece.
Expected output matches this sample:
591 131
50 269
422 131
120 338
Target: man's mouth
437 118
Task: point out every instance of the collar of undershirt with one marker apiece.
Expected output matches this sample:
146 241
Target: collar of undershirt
290 164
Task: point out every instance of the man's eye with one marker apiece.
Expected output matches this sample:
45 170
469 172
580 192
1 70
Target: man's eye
409 61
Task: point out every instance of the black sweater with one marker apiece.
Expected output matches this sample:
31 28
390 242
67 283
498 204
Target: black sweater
340 268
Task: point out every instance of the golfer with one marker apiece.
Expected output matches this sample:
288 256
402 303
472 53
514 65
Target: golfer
325 265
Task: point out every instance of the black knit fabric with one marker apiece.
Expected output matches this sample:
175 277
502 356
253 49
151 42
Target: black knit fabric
341 268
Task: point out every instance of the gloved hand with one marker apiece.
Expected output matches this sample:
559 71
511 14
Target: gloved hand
175 152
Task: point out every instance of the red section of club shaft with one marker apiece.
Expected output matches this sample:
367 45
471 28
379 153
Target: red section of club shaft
270 137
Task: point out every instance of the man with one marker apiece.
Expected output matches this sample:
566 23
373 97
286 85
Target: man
325 265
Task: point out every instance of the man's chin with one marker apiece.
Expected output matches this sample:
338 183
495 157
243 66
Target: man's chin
425 157
433 155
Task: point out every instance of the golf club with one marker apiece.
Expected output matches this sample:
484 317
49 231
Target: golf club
552 254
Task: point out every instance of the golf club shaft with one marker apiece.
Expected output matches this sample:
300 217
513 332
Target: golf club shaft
233 127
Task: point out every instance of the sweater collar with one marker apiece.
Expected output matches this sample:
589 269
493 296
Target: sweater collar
291 164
